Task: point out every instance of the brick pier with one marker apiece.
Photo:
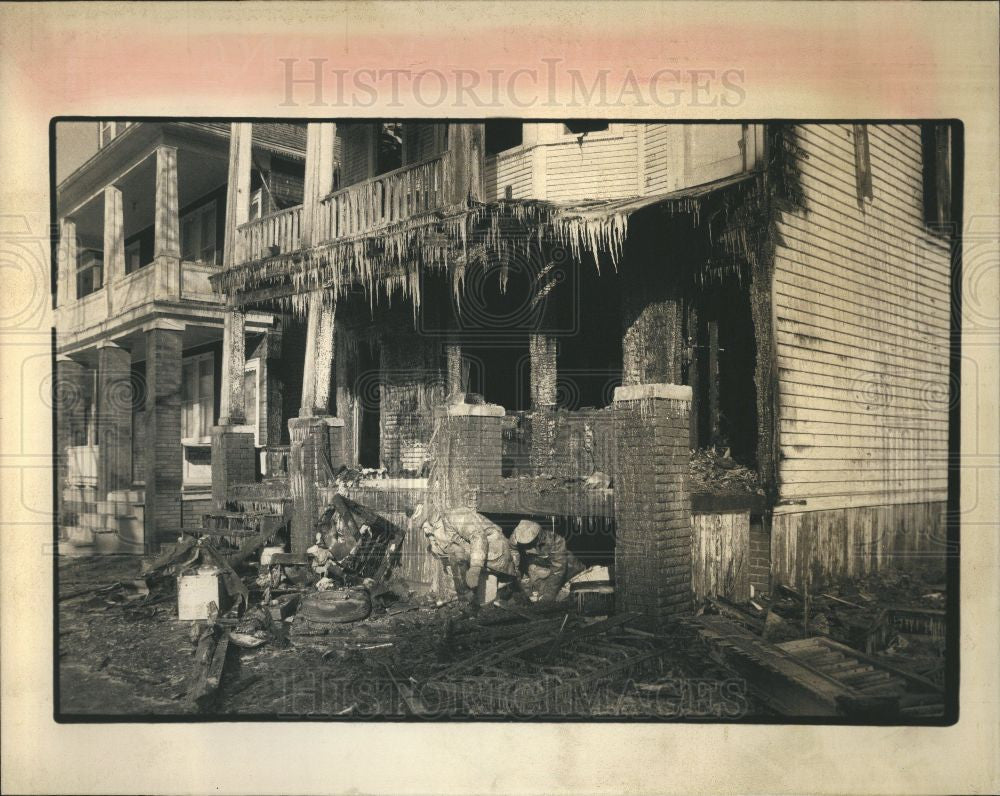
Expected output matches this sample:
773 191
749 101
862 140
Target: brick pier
652 502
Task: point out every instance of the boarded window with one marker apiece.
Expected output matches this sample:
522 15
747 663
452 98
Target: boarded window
862 164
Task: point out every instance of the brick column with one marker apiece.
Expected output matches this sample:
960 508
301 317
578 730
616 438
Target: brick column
70 396
114 419
468 454
652 502
316 452
164 454
234 461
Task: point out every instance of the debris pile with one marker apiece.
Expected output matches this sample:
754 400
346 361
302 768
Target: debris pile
714 470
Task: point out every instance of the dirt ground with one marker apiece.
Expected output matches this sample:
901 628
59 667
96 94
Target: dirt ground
136 660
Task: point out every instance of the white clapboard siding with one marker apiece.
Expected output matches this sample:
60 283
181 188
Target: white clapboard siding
598 166
513 169
861 310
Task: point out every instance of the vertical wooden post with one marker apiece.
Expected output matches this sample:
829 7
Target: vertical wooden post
321 138
114 242
66 287
167 223
464 177
238 189
325 345
231 402
318 365
713 382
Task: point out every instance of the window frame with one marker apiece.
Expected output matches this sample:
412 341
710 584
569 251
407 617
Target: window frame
90 266
135 247
253 365
197 359
210 207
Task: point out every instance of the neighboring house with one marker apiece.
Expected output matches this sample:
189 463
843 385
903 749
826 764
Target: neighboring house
794 277
139 328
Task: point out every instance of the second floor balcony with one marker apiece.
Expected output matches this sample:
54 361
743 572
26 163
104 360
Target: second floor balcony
365 207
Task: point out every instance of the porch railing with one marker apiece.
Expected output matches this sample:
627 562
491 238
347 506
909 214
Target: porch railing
383 200
275 233
363 207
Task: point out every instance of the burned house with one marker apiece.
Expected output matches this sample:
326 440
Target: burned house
714 354
139 328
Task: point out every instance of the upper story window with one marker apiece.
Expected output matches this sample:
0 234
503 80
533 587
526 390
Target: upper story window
389 147
89 272
503 134
133 257
107 131
583 126
198 235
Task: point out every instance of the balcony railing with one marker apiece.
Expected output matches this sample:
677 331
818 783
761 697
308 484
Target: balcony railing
363 207
383 200
275 233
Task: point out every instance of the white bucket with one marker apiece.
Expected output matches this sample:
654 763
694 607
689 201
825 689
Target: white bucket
195 590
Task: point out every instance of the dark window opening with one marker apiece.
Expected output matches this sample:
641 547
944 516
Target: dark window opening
720 368
389 152
936 147
584 126
89 272
503 134
370 405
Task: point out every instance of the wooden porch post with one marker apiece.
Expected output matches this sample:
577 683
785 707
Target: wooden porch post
167 224
318 365
238 189
320 140
231 402
467 149
114 242
66 292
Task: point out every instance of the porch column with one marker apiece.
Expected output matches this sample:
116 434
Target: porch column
167 228
164 454
542 354
70 396
455 377
317 366
232 411
466 148
320 140
652 314
238 188
542 351
114 242
66 287
114 418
